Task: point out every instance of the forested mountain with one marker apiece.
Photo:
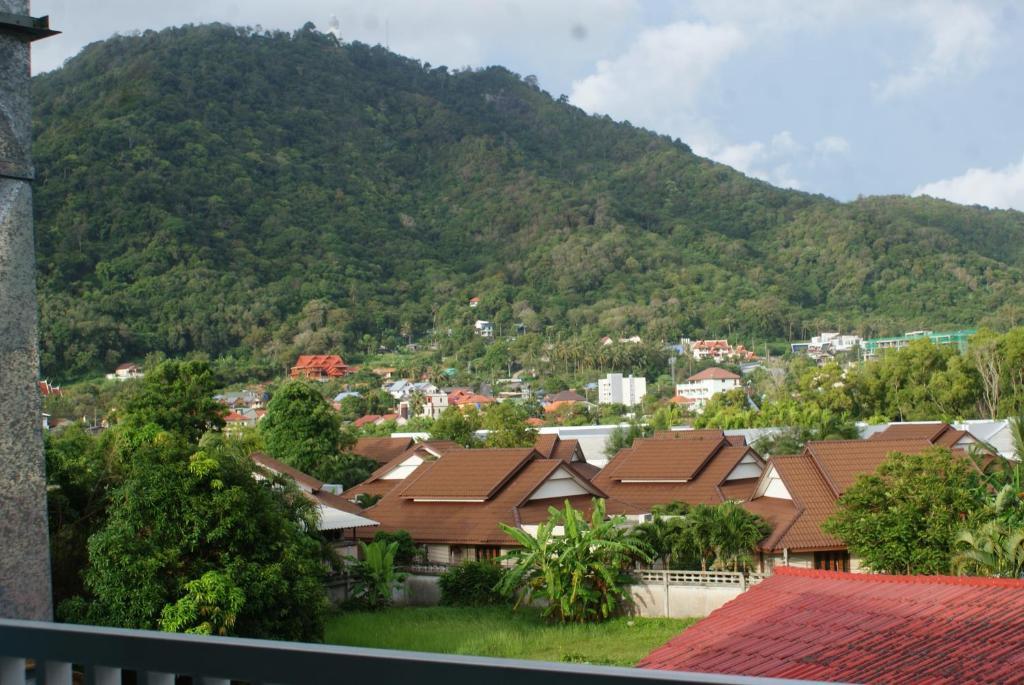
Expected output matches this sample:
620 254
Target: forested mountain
258 194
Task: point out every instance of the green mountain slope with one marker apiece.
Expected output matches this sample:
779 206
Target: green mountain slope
256 194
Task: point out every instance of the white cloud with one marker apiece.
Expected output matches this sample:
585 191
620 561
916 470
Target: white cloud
832 145
961 39
657 82
771 161
999 188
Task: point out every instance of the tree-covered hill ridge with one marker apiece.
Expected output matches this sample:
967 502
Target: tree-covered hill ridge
260 194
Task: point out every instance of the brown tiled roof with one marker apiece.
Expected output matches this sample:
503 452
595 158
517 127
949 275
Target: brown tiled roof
302 479
381 450
814 501
375 485
815 479
708 487
545 444
841 461
586 470
714 373
466 474
663 460
912 431
695 434
550 446
476 523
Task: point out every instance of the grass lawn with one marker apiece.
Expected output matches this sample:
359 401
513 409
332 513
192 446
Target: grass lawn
500 632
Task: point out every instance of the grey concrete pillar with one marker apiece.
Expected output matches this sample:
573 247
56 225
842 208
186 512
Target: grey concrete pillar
24 541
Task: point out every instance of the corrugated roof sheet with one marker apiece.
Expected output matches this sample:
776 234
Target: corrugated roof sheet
841 627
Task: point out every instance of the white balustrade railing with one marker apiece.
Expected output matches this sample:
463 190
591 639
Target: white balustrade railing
698 578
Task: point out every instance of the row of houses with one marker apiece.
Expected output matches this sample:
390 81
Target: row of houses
451 500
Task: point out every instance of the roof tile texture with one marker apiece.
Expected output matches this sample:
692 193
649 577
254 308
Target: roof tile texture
841 627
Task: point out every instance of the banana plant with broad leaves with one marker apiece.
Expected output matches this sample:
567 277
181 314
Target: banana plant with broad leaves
576 568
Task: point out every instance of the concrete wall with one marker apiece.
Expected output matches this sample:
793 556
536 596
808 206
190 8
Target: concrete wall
649 599
415 591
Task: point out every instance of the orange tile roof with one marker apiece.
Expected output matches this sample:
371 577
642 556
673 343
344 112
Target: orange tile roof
302 479
714 373
859 628
696 434
381 450
319 364
376 485
551 446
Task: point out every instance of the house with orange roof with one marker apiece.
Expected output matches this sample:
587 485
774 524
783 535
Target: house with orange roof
797 493
719 350
702 386
696 467
319 367
452 506
858 628
465 398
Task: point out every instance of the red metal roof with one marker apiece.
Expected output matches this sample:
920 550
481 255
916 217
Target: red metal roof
848 627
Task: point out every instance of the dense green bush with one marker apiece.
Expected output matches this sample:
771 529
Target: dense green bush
472 583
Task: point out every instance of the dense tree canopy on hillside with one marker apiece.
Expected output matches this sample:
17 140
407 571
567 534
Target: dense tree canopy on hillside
258 194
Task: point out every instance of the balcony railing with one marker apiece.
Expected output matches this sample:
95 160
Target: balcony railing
40 652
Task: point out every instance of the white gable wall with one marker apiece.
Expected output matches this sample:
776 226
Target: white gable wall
749 467
772 486
559 484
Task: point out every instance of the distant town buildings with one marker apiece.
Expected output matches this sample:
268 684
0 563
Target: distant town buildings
719 350
701 387
872 346
618 389
826 345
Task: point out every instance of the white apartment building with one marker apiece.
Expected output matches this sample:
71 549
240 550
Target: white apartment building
701 387
618 389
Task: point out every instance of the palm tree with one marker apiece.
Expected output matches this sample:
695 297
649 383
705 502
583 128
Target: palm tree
701 528
663 536
994 549
739 531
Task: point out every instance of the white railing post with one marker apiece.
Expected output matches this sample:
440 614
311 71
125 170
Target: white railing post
12 670
54 673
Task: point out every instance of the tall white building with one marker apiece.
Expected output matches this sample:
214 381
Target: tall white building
618 389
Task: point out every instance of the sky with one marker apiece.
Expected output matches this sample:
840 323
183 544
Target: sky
840 97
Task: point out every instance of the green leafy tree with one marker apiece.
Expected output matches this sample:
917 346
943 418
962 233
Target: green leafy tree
506 422
406 552
180 515
472 583
622 438
664 537
302 430
177 396
904 518
458 426
580 575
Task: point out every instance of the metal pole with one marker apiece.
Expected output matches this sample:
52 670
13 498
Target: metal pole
25 559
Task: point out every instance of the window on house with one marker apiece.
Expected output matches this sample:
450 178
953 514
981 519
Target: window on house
486 553
832 561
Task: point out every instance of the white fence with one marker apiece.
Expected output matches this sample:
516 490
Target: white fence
681 594
699 578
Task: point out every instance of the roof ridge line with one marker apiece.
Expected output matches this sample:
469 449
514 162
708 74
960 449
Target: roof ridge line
976 581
